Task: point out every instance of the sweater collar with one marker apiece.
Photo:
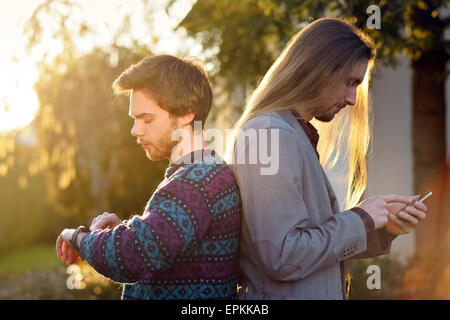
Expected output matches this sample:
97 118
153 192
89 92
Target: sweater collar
194 157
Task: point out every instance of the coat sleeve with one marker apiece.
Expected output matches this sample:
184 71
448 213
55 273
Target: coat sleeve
275 218
378 243
175 216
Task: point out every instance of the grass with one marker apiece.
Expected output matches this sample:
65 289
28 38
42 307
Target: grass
36 272
33 258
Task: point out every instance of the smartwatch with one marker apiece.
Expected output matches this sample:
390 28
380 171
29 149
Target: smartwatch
73 241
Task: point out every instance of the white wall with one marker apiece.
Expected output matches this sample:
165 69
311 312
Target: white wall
390 164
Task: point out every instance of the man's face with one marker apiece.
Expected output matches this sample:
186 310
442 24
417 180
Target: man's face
153 126
346 94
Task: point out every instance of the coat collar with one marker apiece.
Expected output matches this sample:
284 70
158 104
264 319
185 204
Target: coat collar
290 118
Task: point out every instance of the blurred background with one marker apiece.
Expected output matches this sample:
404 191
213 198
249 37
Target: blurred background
66 153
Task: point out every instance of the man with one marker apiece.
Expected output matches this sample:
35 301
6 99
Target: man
185 244
294 238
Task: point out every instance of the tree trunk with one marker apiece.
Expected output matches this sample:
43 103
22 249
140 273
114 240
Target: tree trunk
429 149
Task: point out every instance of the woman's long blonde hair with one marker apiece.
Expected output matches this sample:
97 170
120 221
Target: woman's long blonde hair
306 77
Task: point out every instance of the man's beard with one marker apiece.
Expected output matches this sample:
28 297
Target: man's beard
325 117
163 149
161 152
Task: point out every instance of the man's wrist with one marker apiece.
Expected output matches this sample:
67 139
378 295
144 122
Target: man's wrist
391 236
385 238
77 237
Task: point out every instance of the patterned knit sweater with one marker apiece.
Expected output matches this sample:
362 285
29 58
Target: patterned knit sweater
185 244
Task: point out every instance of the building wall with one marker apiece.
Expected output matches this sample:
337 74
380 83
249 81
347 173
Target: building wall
390 162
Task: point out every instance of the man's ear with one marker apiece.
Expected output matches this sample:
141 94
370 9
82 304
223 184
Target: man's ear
187 118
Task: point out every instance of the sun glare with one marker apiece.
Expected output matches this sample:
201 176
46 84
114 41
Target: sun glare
18 101
18 71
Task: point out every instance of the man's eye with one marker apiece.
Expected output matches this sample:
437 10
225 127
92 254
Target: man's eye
147 121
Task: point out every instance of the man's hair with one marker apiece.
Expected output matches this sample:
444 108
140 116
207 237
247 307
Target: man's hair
178 85
306 77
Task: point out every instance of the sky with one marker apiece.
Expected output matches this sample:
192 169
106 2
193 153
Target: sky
18 72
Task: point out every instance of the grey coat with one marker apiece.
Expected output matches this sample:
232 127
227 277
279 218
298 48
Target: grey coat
293 237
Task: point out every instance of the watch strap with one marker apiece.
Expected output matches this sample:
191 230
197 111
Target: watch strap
73 241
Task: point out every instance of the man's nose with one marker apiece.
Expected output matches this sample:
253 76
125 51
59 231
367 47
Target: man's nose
350 97
136 131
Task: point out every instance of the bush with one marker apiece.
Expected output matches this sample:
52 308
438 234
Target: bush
391 272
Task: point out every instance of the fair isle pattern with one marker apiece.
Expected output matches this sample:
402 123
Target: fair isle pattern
184 246
165 290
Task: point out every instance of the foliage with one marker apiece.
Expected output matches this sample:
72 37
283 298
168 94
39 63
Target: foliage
25 214
79 159
250 34
391 276
84 132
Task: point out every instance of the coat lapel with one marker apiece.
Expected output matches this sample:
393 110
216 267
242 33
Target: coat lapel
289 117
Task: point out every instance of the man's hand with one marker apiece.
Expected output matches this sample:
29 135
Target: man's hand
105 220
403 218
63 249
377 207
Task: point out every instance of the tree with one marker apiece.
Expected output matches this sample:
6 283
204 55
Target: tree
250 34
24 211
84 146
84 160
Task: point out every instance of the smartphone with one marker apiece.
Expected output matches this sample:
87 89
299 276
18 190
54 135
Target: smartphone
425 195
